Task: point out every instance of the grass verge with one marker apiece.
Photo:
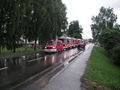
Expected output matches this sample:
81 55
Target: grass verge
102 71
20 50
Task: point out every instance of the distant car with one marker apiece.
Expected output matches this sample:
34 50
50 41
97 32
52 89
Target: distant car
53 46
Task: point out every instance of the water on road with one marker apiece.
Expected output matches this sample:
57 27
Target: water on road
17 69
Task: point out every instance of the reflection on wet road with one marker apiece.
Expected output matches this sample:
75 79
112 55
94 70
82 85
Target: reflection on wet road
15 70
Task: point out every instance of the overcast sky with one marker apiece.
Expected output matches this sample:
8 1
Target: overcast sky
83 10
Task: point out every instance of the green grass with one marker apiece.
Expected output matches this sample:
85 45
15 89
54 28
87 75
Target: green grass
101 70
22 49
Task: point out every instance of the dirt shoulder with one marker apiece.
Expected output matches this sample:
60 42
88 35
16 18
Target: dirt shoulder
90 85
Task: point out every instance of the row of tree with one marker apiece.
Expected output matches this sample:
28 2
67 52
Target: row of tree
30 19
106 31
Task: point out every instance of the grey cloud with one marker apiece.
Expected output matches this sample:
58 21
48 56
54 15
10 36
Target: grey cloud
115 5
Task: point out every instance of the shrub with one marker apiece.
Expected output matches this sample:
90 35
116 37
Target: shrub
109 38
116 54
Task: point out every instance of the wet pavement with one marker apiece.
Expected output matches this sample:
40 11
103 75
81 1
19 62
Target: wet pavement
69 77
17 69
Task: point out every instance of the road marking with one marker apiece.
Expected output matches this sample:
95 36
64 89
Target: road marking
3 68
34 59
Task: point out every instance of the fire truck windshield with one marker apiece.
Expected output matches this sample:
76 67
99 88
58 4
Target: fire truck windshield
52 43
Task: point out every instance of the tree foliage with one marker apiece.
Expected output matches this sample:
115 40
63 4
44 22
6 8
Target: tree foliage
107 32
116 54
32 20
75 29
104 20
109 38
77 35
117 27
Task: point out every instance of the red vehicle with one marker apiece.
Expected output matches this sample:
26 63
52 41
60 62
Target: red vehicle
63 43
66 42
53 46
69 42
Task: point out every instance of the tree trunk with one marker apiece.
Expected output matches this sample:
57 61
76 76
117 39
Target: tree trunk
14 49
14 46
25 42
35 45
0 49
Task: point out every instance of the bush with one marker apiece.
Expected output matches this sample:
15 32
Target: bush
109 38
116 54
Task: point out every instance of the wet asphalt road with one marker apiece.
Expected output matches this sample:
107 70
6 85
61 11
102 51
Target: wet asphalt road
68 78
18 69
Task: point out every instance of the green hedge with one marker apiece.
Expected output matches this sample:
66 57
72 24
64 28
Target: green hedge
116 54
